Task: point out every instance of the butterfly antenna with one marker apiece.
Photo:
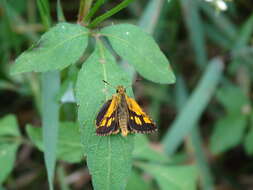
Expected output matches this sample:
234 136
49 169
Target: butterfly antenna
108 84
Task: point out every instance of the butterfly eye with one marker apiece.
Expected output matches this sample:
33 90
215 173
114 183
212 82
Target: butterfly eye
117 91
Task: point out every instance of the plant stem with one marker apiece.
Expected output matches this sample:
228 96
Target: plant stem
44 11
83 9
93 10
108 14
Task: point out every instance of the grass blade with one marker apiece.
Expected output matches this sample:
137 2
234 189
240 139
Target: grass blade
195 27
245 34
220 21
201 161
194 107
50 117
44 11
150 16
109 13
60 14
206 176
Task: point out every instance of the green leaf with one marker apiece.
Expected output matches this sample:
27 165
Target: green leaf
69 146
143 151
9 126
220 21
9 142
232 98
228 132
50 120
108 157
248 142
245 34
61 46
206 179
172 177
136 182
194 107
140 49
7 159
195 28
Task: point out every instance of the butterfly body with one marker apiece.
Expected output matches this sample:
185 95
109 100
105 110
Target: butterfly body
122 113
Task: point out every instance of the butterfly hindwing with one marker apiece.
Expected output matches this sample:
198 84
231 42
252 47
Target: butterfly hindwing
106 121
109 126
138 120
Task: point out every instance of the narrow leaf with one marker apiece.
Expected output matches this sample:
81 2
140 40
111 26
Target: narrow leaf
245 34
50 119
140 49
195 28
195 106
61 46
248 143
197 142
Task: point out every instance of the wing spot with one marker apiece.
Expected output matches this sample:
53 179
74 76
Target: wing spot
103 122
138 121
146 120
109 122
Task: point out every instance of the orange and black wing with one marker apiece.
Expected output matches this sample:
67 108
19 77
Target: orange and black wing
106 121
139 121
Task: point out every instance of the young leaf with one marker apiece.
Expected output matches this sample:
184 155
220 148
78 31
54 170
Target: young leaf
9 126
69 147
108 157
140 49
136 182
172 177
142 150
232 98
9 143
61 46
248 143
7 159
228 132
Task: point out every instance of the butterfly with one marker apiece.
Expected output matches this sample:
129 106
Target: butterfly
122 114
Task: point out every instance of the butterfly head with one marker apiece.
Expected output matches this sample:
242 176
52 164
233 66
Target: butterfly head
121 90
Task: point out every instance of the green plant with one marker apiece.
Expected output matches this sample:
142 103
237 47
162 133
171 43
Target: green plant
204 137
108 158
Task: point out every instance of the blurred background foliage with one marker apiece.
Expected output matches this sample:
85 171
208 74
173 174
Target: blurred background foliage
205 118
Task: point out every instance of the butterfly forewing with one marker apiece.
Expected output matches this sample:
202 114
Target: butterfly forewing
106 121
